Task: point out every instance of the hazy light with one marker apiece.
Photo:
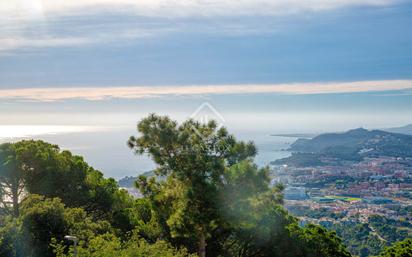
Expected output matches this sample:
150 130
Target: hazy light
21 131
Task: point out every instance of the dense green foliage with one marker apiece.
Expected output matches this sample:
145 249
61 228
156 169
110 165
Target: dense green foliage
36 167
208 198
399 249
108 245
362 239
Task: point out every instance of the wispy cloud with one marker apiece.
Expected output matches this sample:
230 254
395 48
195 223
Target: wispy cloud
14 42
27 24
177 8
61 32
11 43
136 92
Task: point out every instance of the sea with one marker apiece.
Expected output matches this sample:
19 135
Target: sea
106 148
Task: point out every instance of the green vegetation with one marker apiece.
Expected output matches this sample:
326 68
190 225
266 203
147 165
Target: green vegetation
365 239
362 239
399 249
343 198
352 145
212 201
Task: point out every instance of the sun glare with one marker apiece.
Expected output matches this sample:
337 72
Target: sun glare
22 131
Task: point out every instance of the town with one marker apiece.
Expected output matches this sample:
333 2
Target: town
374 186
375 192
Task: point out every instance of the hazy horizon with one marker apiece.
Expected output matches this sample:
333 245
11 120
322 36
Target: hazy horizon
105 148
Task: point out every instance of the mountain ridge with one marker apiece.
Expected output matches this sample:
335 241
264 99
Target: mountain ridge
407 129
352 145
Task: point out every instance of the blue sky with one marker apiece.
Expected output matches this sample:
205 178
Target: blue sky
349 43
267 66
90 45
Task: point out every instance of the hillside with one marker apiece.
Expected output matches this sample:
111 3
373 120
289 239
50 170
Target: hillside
352 145
128 182
361 141
403 130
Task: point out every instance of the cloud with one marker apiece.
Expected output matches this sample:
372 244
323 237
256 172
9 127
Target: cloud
23 9
7 44
136 92
26 24
72 32
14 42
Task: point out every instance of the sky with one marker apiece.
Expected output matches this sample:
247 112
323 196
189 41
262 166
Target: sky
81 73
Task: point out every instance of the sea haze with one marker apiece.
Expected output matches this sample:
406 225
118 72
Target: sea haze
107 150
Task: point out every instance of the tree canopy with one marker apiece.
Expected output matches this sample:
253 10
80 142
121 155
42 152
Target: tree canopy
399 249
194 157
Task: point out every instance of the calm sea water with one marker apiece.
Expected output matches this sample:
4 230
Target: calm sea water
107 151
273 149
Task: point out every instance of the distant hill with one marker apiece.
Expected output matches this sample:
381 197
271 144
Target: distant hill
128 182
352 145
403 130
362 141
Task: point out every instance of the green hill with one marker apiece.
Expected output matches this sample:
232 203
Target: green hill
361 141
352 145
